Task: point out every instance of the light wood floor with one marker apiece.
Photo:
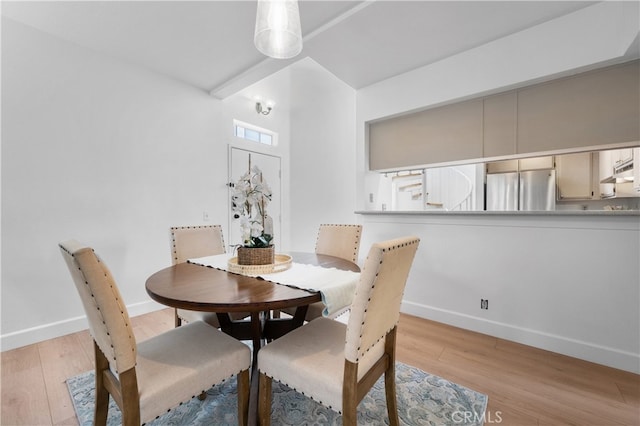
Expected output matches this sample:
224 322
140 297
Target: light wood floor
526 386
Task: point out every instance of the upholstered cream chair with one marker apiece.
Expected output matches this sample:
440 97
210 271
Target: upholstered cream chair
336 364
337 240
191 242
147 379
341 241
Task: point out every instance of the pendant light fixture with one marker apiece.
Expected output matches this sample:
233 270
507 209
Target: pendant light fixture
278 33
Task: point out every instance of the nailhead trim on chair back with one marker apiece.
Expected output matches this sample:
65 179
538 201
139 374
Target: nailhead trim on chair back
190 242
376 305
109 323
342 241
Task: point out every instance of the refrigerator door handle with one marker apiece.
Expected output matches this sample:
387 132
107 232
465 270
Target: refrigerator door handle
520 191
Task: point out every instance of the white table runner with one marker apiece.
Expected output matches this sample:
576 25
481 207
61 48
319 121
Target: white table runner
335 285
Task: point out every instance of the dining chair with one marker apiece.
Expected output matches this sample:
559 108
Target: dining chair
191 242
339 240
334 363
148 378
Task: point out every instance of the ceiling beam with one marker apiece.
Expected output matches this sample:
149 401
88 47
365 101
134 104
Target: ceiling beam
268 66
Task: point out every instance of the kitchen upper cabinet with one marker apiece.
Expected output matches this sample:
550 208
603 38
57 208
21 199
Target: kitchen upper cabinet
594 108
523 165
576 113
499 130
439 135
620 156
536 163
574 176
504 166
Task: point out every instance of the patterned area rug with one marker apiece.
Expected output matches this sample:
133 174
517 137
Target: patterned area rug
423 399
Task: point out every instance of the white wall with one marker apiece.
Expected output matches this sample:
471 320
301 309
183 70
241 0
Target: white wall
322 152
552 283
113 155
106 153
569 284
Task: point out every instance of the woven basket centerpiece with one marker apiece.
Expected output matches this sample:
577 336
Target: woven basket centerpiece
256 255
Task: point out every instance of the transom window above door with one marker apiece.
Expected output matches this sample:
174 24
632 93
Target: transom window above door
254 133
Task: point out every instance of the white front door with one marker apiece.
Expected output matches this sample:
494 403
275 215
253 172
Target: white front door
270 166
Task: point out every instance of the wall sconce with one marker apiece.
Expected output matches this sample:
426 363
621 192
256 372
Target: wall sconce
264 110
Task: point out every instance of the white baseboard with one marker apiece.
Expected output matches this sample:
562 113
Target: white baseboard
563 345
52 330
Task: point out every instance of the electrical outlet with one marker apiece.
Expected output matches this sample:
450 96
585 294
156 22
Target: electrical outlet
484 304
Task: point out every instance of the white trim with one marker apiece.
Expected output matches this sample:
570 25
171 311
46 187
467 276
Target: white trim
599 354
52 330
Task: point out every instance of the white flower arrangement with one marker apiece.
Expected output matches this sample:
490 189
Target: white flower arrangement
249 200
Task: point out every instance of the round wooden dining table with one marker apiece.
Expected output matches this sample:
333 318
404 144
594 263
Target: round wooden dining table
200 288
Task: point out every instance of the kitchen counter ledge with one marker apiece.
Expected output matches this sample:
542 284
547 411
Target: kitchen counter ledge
503 213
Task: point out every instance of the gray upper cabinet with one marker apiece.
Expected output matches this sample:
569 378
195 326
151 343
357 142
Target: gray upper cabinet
500 118
448 133
536 163
575 113
590 109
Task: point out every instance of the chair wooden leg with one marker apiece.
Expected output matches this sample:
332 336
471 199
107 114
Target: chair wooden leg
390 378
264 400
350 394
102 395
177 319
243 397
390 393
130 398
350 415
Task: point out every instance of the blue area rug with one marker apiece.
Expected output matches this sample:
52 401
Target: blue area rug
423 399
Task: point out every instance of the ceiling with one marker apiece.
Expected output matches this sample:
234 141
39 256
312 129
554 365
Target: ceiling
209 44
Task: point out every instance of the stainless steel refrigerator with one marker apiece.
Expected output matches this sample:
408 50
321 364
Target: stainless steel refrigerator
530 190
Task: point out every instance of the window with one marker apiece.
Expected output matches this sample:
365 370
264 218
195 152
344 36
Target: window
253 133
